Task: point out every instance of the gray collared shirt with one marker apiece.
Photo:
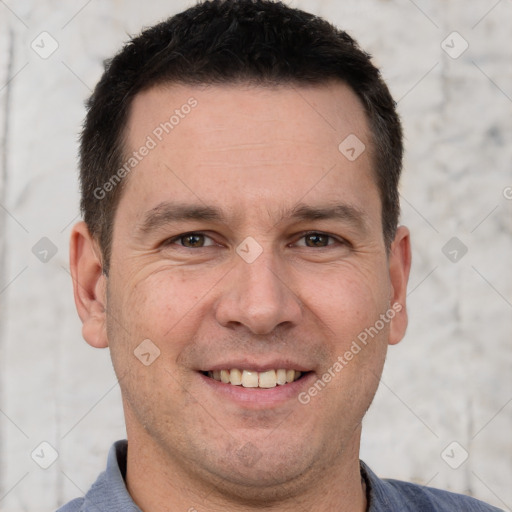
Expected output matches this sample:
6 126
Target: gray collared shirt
109 493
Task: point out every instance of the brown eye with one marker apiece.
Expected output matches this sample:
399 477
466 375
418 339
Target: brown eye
192 240
317 240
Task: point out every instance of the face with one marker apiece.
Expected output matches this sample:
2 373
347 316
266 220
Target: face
248 248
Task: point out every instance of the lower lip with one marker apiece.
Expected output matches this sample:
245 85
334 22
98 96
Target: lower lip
260 398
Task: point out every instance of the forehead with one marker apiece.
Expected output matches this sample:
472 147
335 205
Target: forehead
246 146
301 110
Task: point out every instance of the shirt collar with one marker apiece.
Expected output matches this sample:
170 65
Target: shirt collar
109 492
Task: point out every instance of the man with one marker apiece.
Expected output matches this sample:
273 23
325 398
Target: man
240 256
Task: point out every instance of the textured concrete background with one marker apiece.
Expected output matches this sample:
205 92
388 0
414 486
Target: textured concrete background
449 381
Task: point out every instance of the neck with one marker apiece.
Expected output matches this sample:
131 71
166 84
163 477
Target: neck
158 483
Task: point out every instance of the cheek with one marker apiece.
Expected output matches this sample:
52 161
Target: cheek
149 324
349 299
166 306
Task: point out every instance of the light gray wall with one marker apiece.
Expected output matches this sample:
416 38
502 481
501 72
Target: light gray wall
449 381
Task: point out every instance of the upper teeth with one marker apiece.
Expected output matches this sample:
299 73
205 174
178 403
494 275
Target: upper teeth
253 379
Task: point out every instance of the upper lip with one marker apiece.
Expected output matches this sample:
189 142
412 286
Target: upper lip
258 366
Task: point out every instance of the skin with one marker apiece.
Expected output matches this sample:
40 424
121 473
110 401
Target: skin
254 153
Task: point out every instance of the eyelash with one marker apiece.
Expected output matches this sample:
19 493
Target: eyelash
304 234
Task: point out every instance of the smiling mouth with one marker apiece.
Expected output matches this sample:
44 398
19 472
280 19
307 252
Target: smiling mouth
254 379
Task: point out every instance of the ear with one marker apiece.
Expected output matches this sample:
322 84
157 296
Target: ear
89 285
399 267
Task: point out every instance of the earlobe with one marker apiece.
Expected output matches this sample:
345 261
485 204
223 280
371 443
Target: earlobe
399 268
89 285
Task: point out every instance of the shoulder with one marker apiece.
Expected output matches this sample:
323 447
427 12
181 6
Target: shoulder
436 500
387 495
72 506
108 492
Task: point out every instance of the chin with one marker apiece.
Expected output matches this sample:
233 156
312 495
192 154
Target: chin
261 485
258 472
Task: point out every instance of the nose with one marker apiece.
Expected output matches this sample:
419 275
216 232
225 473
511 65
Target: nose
259 296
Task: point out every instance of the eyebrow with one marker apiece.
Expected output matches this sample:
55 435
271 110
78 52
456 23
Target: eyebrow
167 212
344 212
